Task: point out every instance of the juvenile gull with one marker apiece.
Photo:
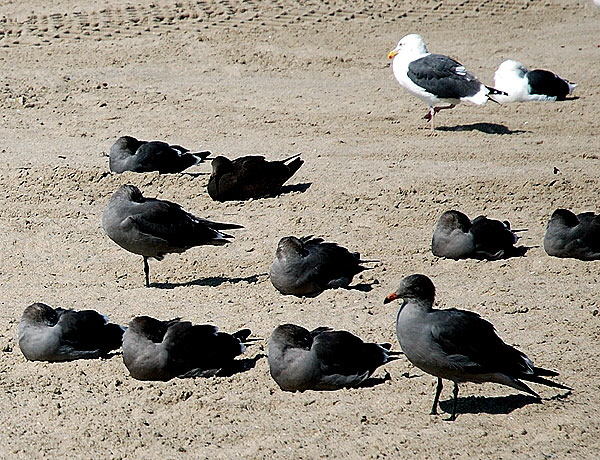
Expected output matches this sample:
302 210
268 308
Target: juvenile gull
130 154
457 237
162 350
322 359
152 228
575 236
48 334
434 78
249 177
307 266
458 345
521 84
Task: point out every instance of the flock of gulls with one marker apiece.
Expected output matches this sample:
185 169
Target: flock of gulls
449 344
437 79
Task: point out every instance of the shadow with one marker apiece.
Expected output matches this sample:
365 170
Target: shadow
520 251
489 405
194 174
487 128
374 381
240 365
301 188
212 281
362 287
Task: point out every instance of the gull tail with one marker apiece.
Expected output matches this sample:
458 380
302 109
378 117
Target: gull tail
494 91
200 156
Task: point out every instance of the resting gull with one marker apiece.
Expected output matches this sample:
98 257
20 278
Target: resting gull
434 78
458 345
162 350
249 177
574 236
48 334
152 228
130 154
521 84
307 266
322 359
457 237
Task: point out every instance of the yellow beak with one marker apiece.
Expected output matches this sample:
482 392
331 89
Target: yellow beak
392 53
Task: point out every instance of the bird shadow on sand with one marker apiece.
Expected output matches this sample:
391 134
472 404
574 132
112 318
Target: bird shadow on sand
487 128
212 281
518 251
362 287
195 174
301 188
489 405
374 381
240 365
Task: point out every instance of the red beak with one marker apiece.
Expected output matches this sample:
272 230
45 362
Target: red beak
391 297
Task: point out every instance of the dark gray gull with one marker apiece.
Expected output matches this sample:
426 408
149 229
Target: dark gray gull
521 84
249 177
434 78
152 228
130 154
574 236
457 237
307 266
48 334
458 345
162 350
322 359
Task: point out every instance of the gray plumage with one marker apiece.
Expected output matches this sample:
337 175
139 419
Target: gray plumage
307 266
457 237
249 177
322 359
574 236
162 350
48 334
458 345
131 154
434 78
152 228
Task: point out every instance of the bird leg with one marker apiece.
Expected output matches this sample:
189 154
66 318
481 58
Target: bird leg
438 391
433 110
147 271
455 394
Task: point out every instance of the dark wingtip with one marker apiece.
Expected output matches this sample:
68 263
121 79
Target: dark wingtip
242 335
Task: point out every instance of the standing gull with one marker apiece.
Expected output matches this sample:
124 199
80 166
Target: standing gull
322 359
457 237
458 345
521 84
249 177
162 350
434 78
575 236
130 154
307 266
152 228
48 334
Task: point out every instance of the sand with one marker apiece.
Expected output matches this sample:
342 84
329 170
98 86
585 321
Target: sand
279 78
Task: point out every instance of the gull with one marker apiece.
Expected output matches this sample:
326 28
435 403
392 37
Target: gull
434 78
152 228
458 345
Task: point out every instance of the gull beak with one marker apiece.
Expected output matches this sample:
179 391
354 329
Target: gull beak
392 53
390 297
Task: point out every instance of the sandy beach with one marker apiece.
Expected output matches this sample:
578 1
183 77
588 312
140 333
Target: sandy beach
276 78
